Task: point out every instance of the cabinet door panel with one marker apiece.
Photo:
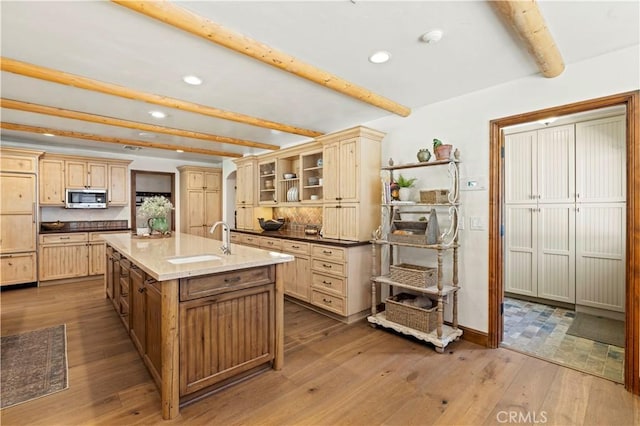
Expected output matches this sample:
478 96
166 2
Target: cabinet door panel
212 181
17 233
330 222
349 222
600 255
52 182
96 258
195 180
138 309
520 250
556 252
225 335
349 174
63 261
520 167
195 214
118 188
18 268
601 160
556 175
75 174
97 175
331 182
18 193
153 331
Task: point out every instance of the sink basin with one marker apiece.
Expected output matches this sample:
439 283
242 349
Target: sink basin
179 260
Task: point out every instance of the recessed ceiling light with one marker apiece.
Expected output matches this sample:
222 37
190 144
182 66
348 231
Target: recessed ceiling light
157 114
380 57
146 135
179 150
48 134
192 80
432 36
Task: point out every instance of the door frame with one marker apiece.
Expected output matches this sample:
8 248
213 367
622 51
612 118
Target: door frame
496 200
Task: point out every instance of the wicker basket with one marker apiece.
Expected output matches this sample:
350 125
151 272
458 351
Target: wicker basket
410 316
414 275
434 196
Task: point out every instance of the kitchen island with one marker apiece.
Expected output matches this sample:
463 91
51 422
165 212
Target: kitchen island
200 319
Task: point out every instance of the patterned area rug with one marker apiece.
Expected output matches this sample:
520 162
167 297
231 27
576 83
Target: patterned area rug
596 328
33 365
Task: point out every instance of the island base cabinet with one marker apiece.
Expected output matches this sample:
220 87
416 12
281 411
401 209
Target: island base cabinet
225 335
153 331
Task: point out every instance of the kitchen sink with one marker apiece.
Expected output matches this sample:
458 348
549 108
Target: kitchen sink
179 260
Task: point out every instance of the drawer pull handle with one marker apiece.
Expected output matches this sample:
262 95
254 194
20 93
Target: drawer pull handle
326 301
326 266
232 280
141 290
295 247
65 238
149 281
326 282
327 251
270 243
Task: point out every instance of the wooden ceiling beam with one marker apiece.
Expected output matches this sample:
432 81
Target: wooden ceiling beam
188 21
527 21
60 77
110 121
108 139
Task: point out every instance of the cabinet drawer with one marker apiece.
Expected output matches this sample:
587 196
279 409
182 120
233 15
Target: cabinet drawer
235 238
295 247
197 287
125 265
328 267
270 243
330 253
124 305
331 303
250 240
76 237
328 283
18 268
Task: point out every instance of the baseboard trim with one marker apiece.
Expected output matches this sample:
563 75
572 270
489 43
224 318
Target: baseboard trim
474 336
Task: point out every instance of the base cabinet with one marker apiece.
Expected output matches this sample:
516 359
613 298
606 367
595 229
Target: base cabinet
63 256
18 268
225 335
138 309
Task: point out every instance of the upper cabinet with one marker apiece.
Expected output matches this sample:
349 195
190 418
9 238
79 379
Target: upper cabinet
343 169
200 200
58 172
245 180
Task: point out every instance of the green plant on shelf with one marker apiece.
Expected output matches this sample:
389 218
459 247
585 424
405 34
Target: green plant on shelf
404 182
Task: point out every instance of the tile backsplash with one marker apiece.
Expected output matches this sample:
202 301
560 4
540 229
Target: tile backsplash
298 217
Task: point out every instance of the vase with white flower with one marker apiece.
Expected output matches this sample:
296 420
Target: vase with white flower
155 210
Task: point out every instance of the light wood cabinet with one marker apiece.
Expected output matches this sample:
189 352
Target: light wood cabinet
59 172
108 276
86 174
52 182
96 258
297 274
118 191
63 256
200 200
245 181
242 319
153 332
351 183
18 215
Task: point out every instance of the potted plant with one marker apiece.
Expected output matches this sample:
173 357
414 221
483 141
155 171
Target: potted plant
155 210
441 151
405 187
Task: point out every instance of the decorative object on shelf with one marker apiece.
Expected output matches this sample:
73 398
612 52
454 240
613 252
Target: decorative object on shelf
434 196
411 314
292 194
456 154
268 184
289 176
441 151
314 197
53 226
155 210
311 230
424 155
405 187
415 232
270 225
312 180
319 162
390 161
413 275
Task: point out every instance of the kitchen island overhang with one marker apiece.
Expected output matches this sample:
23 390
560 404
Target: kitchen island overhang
229 307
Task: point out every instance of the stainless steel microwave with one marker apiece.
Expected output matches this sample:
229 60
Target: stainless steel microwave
86 198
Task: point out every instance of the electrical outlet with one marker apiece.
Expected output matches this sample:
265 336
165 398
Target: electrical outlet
478 183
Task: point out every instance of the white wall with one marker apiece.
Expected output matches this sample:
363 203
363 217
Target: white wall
464 122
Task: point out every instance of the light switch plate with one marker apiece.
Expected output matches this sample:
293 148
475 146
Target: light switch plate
477 223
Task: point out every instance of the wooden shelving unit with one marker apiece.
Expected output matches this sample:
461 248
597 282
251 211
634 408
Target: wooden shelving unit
441 293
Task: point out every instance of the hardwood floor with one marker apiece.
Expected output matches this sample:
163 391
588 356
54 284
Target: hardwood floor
334 374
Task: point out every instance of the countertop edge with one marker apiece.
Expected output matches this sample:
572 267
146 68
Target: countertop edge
302 238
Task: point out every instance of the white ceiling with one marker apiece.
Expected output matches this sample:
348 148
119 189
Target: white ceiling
107 42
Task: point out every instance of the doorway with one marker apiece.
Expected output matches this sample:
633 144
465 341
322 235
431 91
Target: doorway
632 258
149 183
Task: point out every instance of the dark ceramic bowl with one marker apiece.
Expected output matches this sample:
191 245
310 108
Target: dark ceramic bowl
270 225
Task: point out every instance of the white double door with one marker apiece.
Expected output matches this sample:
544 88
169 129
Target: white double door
565 213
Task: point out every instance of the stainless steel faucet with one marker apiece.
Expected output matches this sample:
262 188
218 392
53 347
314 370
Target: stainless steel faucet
226 244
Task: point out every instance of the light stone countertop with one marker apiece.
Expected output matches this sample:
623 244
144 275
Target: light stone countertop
152 255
